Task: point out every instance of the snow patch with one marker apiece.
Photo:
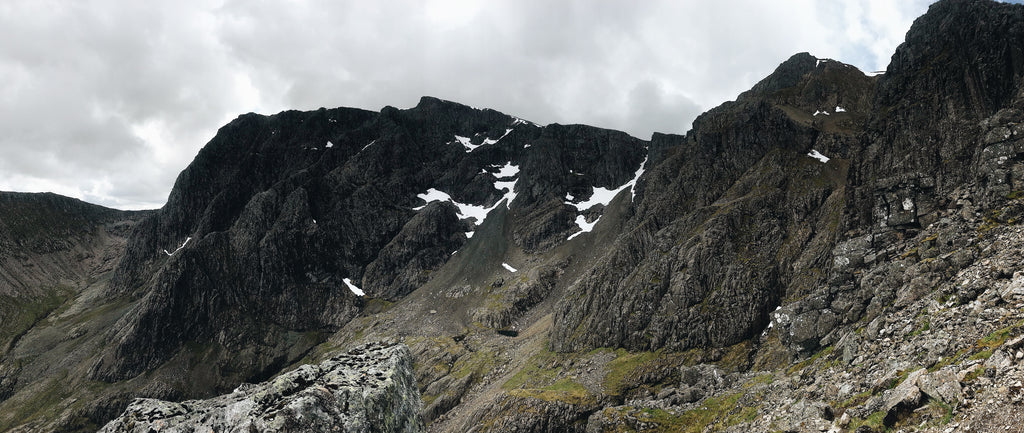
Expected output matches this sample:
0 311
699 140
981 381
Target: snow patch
602 195
821 112
465 210
352 287
908 204
510 192
585 227
433 195
509 186
329 144
817 155
466 143
508 170
819 62
509 267
840 109
469 235
526 146
492 141
179 248
479 213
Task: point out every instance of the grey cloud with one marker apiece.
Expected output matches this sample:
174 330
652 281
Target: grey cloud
651 108
110 99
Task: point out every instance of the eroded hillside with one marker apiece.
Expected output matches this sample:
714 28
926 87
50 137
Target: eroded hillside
832 250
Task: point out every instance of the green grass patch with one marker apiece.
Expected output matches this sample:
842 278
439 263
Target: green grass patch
976 373
537 372
854 400
478 363
623 368
375 306
949 360
19 315
996 338
875 421
947 411
761 379
427 399
920 330
111 309
41 405
737 357
984 354
564 390
716 414
577 399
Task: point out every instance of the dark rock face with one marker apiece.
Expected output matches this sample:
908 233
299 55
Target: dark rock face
273 215
423 244
719 226
961 62
736 218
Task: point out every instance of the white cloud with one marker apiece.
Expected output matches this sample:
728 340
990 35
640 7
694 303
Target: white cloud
108 100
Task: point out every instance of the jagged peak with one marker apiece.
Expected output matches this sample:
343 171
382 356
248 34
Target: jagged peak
434 102
787 74
795 70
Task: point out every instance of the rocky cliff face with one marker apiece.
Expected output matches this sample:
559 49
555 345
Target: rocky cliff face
736 217
754 216
264 227
830 251
367 389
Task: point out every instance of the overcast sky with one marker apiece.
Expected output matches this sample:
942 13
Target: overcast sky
108 100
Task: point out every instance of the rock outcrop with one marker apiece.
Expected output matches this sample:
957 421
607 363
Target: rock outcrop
367 389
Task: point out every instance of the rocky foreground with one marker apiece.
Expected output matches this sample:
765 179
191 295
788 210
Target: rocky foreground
943 358
367 389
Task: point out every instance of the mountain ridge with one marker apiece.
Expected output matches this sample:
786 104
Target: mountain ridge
731 284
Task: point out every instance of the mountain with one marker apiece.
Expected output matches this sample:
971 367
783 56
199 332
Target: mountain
831 250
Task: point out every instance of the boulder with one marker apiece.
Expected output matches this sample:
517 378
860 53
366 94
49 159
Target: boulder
904 398
368 389
941 385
